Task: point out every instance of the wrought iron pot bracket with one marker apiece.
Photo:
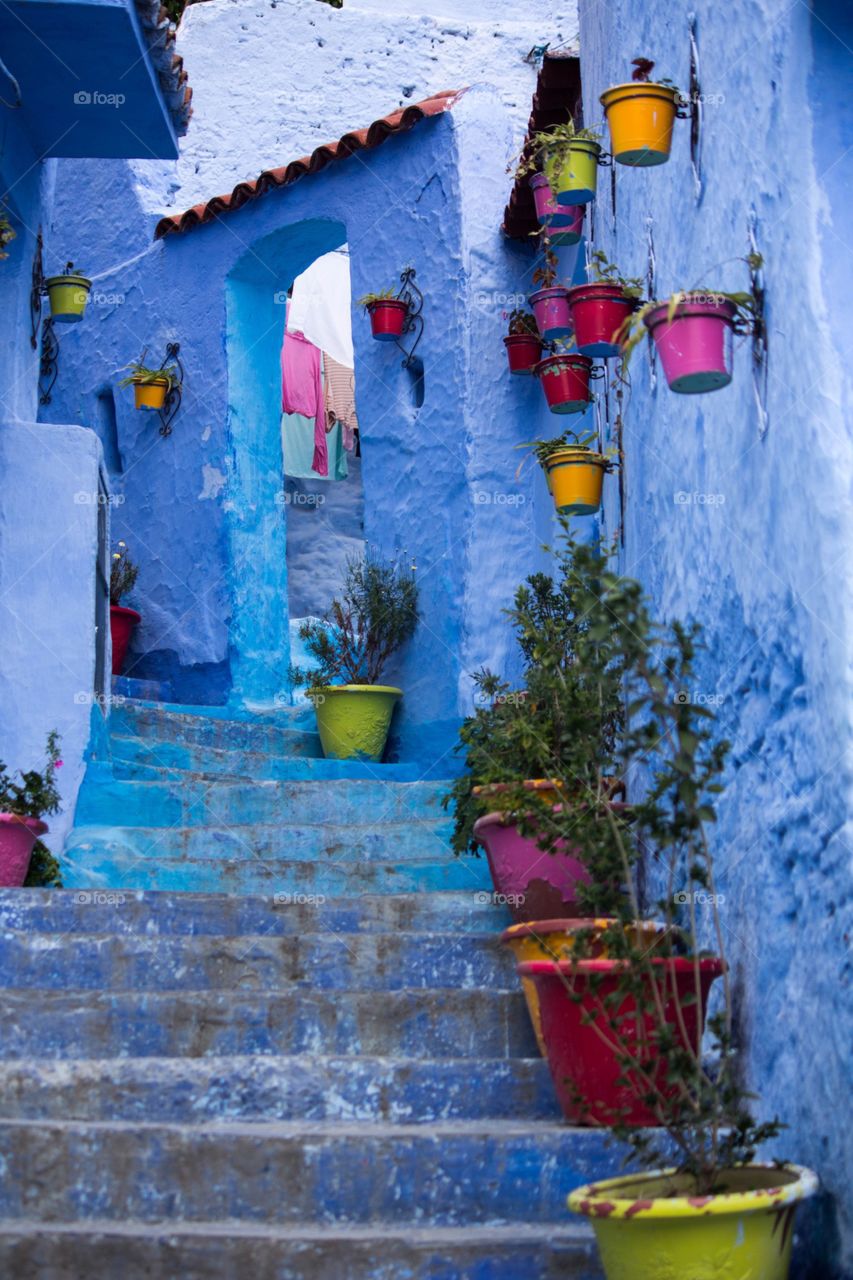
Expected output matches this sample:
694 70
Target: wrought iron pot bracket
758 327
692 109
414 322
49 358
172 403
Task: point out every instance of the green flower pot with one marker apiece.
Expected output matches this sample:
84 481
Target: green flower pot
353 719
68 296
576 179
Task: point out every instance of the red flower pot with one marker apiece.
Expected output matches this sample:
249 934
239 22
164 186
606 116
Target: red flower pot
122 623
565 381
524 351
583 1056
599 312
387 319
551 309
17 837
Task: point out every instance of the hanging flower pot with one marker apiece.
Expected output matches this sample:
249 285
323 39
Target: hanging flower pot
558 939
123 622
599 312
744 1229
573 171
150 395
640 116
551 309
572 233
575 479
694 341
523 350
532 883
583 1051
565 381
68 296
17 837
387 314
553 215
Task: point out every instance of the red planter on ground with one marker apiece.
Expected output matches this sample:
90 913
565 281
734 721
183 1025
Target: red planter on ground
122 623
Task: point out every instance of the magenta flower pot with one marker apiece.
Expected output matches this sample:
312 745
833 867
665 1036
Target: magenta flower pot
17 837
551 214
551 309
695 347
535 884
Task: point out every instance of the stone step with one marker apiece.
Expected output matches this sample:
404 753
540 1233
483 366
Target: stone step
197 803
216 1249
319 961
435 1023
449 1173
304 1087
116 865
147 761
74 911
290 730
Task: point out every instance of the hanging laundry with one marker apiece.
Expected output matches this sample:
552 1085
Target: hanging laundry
339 384
302 391
321 306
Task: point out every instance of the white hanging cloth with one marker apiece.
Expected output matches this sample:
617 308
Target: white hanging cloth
321 306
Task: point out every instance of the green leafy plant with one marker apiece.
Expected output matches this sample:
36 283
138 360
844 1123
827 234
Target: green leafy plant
376 613
522 322
542 450
546 151
607 272
140 373
44 871
370 299
7 235
123 574
36 793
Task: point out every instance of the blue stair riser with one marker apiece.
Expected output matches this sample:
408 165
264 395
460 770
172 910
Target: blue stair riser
154 804
106 868
234 766
449 1176
295 731
341 962
298 1088
191 1024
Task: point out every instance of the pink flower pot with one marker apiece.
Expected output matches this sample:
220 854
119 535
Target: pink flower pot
551 214
571 233
17 837
551 309
695 347
523 350
537 885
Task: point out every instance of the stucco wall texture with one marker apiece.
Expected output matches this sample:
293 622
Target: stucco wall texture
751 535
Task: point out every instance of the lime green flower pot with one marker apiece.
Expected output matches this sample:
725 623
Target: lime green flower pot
68 296
576 178
353 719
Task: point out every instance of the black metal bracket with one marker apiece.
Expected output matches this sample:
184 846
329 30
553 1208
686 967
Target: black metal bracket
758 329
651 292
48 361
414 322
37 288
691 108
172 403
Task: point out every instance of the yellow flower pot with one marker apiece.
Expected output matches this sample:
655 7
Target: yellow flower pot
68 296
640 117
575 477
649 1225
575 176
555 940
151 395
353 719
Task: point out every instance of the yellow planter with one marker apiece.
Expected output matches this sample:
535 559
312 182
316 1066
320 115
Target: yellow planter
646 1230
555 940
151 395
575 478
68 296
640 117
576 176
353 719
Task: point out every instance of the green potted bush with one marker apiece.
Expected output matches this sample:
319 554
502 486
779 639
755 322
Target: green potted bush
150 386
23 804
123 620
376 613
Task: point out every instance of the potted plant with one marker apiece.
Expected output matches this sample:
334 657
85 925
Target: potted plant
68 295
150 386
574 471
601 308
692 332
387 314
565 219
523 343
375 615
7 234
22 805
567 156
503 798
123 575
550 302
564 376
640 115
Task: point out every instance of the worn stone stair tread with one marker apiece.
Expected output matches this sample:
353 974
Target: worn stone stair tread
228 1228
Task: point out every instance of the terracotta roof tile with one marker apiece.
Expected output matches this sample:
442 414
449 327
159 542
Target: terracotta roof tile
350 143
557 100
169 67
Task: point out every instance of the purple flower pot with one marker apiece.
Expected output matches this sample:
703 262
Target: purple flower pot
695 347
551 309
537 885
551 214
17 837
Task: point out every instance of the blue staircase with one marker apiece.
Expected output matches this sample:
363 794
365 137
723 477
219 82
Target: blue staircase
269 1030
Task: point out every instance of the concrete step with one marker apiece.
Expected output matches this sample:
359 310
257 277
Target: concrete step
292 730
223 803
320 961
435 1023
115 865
217 1250
304 1087
145 761
449 1173
69 911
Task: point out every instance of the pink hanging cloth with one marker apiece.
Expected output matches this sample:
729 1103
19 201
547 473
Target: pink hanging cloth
302 390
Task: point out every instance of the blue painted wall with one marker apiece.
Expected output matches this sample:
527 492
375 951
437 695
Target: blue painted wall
752 535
